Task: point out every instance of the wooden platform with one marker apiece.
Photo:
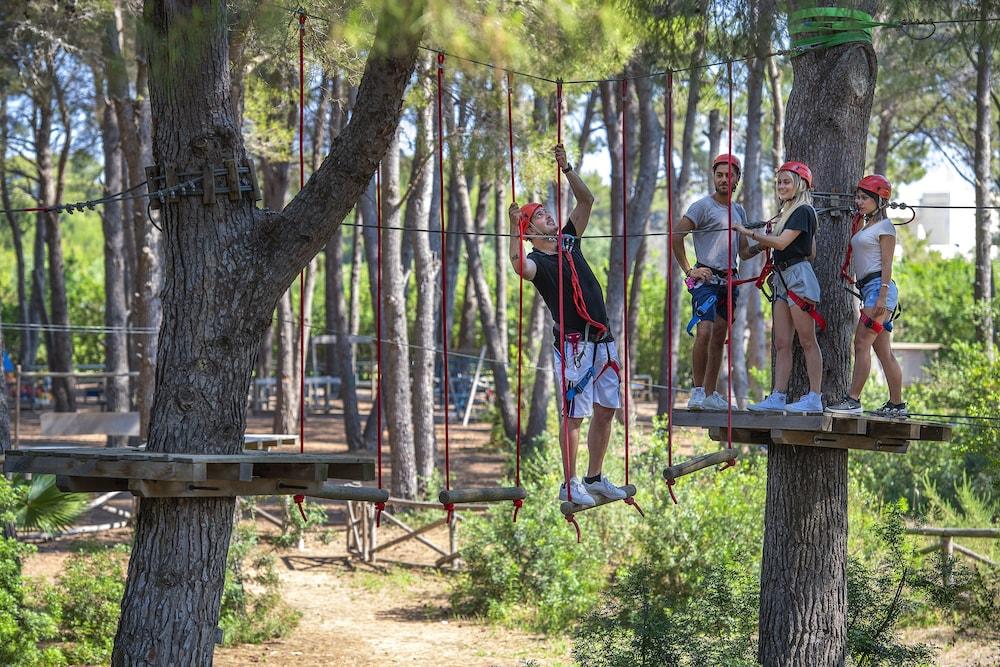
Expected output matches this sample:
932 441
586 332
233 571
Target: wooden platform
152 474
864 432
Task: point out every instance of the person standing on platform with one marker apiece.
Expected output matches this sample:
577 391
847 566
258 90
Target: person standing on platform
593 384
796 289
872 248
708 221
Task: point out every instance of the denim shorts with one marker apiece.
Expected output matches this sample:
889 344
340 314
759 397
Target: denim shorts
870 290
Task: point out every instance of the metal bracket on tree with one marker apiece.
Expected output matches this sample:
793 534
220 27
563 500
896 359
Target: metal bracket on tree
229 178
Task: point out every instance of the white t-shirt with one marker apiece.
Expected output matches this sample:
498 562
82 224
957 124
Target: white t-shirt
866 252
711 219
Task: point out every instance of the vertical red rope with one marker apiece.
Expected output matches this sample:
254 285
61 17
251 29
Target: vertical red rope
670 276
520 288
302 274
444 275
378 318
729 273
625 361
562 312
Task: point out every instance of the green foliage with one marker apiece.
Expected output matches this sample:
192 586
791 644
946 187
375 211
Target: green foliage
90 590
533 572
295 526
42 506
23 629
252 609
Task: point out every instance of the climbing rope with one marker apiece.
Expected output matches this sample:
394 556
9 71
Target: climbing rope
299 498
379 506
518 502
670 279
448 507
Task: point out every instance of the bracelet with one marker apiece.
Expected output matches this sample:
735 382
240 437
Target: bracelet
568 168
885 285
687 272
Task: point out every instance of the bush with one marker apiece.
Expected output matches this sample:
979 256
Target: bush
90 590
252 609
533 572
24 629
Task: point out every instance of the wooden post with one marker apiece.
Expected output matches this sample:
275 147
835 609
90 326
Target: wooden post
453 536
17 406
948 547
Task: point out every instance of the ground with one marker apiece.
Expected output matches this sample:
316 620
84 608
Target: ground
396 611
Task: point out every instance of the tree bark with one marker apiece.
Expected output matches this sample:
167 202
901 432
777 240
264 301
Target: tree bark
397 400
803 607
983 286
226 267
4 409
17 235
115 310
777 113
426 275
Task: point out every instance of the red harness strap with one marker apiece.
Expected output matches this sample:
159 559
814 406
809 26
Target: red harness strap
845 269
871 323
806 307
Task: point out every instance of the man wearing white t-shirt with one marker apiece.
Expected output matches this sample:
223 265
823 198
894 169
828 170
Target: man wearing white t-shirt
708 220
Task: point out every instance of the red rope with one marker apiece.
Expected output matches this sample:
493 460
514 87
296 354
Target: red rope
444 275
562 312
379 507
625 362
670 277
518 503
729 274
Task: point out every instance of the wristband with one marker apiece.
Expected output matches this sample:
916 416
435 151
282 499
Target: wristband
568 168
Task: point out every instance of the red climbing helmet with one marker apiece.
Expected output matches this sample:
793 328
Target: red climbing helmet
727 158
800 168
877 184
527 211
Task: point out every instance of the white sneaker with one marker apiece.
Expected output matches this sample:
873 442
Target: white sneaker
603 487
697 398
717 403
580 495
811 402
773 403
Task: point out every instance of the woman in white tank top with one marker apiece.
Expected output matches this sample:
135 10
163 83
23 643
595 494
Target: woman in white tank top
872 249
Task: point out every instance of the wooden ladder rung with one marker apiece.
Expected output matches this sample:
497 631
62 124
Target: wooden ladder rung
568 508
699 463
345 492
482 494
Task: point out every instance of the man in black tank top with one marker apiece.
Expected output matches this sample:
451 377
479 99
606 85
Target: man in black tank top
592 366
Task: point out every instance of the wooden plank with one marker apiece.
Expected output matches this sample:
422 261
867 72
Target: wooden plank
699 463
879 427
839 441
233 471
935 432
479 495
270 438
752 420
849 424
25 461
212 488
90 423
953 532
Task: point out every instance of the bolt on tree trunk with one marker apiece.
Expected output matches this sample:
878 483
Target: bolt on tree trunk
803 606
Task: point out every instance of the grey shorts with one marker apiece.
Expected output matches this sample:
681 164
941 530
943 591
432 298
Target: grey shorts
800 278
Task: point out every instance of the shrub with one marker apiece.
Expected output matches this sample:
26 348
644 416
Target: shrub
23 629
252 608
90 590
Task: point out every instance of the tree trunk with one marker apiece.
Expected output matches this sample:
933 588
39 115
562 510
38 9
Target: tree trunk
60 342
226 267
426 276
397 399
777 114
983 286
36 302
749 324
539 328
17 235
115 310
714 134
803 603
883 140
4 410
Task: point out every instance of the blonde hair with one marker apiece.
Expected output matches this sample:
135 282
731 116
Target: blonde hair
802 197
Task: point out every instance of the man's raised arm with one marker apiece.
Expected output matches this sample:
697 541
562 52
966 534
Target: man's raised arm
584 197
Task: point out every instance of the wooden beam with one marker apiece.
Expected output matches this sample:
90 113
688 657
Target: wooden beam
753 420
347 492
699 463
838 441
952 532
24 461
91 484
313 472
741 435
568 508
214 488
484 494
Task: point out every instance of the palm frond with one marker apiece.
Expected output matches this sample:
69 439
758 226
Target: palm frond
46 508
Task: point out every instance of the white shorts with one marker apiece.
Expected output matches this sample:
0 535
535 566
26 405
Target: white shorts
599 386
